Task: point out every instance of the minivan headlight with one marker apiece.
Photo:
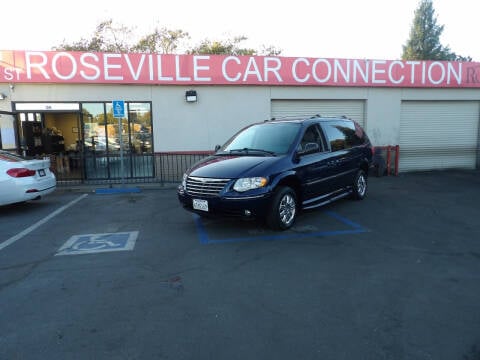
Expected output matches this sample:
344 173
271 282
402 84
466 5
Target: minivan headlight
245 184
184 181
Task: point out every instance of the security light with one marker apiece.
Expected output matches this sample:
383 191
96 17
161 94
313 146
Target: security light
191 95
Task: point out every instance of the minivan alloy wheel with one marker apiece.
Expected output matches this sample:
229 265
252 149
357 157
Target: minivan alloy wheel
361 185
287 209
283 209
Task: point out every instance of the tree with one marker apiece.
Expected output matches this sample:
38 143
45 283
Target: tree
230 47
106 38
424 42
270 50
162 41
221 47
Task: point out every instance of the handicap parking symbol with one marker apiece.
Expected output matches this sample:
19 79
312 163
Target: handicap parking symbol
96 243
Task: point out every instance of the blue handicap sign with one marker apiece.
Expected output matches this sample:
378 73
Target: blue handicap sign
118 108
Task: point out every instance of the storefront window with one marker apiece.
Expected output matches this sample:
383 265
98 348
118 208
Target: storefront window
140 127
30 133
7 132
94 132
117 131
118 147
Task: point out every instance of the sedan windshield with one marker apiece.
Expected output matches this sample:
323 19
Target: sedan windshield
263 139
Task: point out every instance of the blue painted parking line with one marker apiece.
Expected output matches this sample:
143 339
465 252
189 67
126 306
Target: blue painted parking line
121 190
202 233
354 228
344 220
96 243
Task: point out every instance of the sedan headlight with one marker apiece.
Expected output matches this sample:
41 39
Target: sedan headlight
245 184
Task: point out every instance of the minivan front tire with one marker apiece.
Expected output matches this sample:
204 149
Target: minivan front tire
283 210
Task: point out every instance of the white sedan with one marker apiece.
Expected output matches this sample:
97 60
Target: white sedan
23 180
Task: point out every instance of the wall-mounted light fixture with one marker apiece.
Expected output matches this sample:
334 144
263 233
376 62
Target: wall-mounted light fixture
3 96
191 96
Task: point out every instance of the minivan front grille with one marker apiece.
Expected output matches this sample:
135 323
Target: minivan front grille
199 186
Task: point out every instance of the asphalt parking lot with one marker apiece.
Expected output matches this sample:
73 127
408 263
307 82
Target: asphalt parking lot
134 276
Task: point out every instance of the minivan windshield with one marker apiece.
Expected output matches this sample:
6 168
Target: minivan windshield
269 138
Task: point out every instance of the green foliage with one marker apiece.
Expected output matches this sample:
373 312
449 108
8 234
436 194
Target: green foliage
231 47
110 38
162 41
106 38
424 42
270 51
219 47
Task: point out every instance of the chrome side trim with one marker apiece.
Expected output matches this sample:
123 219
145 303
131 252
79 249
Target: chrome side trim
314 203
244 198
329 177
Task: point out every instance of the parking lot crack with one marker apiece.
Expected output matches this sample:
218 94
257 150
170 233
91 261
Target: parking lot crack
29 269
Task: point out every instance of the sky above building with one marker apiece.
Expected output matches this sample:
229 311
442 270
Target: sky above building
365 29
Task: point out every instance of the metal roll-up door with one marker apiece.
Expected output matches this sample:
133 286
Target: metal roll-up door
354 109
438 135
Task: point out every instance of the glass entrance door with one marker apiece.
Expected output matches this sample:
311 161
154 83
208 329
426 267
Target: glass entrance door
115 148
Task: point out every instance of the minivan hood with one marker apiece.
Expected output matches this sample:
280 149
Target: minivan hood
231 167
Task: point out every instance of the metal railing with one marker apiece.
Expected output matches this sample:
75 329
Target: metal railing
163 168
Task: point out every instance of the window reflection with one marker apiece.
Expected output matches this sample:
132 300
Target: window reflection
94 131
117 131
104 137
140 128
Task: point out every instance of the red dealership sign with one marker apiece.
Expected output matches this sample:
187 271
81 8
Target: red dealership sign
157 69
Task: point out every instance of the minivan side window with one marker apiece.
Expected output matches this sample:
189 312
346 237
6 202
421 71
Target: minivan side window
335 136
311 136
343 134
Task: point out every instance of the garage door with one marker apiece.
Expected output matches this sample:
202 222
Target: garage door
354 109
438 135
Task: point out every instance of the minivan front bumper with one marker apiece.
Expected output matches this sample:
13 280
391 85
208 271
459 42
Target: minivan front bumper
247 206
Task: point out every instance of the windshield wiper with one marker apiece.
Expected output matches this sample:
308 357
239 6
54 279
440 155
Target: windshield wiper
250 151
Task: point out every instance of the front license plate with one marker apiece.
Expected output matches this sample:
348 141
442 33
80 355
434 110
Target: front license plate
200 204
41 172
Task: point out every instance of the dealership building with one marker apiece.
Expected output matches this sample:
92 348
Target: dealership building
84 109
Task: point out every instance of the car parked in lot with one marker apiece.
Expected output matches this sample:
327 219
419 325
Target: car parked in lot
273 169
22 180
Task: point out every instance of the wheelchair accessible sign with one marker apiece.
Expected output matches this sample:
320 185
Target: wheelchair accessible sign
118 108
98 243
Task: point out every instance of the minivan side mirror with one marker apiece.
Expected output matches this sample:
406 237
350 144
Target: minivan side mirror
217 147
309 148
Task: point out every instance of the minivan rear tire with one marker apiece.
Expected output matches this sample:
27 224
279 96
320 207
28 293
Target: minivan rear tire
360 185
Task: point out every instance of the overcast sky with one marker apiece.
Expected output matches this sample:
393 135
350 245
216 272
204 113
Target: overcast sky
355 29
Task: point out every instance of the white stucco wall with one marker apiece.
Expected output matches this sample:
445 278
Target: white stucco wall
222 110
219 112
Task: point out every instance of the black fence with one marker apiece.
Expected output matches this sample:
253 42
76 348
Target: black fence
163 168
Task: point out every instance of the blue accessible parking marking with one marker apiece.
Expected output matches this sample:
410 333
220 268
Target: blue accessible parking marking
96 243
304 231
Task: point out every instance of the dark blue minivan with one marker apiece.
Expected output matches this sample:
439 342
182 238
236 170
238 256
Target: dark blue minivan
273 169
